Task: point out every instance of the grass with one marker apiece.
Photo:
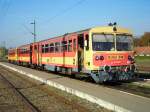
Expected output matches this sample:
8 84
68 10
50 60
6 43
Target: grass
143 60
142 84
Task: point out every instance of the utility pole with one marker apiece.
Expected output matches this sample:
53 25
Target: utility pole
4 49
34 33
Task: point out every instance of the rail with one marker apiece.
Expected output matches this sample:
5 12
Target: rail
20 95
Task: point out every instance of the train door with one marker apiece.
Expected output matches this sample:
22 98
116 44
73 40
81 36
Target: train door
80 52
39 54
35 54
30 54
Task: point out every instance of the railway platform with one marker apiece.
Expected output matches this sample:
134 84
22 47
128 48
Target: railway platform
112 99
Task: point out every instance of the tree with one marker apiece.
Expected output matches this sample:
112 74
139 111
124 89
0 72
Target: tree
136 41
145 39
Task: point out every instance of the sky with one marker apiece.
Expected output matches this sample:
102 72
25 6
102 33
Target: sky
57 17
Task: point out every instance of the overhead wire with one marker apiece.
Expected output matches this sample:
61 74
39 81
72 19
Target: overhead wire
68 9
27 29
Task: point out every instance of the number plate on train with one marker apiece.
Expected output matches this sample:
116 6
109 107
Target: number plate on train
115 57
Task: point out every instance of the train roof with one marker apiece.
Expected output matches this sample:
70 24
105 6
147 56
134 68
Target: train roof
25 45
110 29
77 32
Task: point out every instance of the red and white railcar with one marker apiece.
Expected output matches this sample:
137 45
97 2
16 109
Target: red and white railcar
104 53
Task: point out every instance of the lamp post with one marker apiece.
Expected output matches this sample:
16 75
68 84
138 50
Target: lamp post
34 33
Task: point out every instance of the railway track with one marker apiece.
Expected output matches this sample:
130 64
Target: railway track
33 96
143 68
28 104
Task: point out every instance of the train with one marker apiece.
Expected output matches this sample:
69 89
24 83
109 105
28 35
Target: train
103 53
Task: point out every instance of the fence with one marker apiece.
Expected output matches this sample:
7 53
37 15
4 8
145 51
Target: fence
142 51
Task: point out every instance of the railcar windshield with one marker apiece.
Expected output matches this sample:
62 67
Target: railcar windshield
103 42
124 43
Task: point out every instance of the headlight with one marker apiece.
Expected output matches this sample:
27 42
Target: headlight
99 58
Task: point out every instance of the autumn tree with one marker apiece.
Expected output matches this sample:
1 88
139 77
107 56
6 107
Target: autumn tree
143 40
136 41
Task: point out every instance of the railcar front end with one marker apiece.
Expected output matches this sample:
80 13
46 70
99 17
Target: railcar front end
110 56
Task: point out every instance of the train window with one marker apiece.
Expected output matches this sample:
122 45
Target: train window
103 42
26 51
42 48
74 44
46 48
57 47
23 51
124 42
64 46
35 47
87 39
19 51
69 45
51 47
11 52
61 46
